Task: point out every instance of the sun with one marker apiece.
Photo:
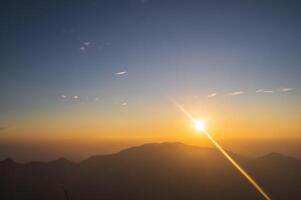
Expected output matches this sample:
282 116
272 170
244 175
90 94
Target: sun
199 125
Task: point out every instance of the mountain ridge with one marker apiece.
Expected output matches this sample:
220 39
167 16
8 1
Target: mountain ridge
271 154
152 171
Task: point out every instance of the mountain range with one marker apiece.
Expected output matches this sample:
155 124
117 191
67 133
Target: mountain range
157 171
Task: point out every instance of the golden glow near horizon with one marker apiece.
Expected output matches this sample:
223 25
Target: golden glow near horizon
200 126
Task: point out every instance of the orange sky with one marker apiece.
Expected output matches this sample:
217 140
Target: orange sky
237 122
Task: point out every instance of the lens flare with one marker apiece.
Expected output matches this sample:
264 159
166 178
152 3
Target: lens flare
200 126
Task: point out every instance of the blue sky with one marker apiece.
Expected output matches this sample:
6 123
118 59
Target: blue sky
53 49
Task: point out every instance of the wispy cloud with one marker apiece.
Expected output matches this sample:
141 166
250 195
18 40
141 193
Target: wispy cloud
87 43
236 93
120 73
63 96
75 97
124 104
3 128
82 48
264 91
268 91
212 95
286 89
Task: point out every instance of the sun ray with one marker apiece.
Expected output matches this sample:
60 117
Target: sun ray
200 126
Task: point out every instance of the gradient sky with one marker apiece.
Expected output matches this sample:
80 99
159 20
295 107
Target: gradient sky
107 68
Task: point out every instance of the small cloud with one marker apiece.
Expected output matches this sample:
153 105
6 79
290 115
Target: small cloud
96 99
124 104
264 91
268 91
82 48
287 89
120 73
212 95
87 43
236 93
75 97
63 96
3 128
143 1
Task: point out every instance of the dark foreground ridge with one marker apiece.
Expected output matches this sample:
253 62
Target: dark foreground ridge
166 171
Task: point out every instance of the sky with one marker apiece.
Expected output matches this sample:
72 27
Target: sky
105 70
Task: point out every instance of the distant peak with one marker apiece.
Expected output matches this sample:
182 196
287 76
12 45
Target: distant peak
156 146
61 160
163 144
274 155
8 160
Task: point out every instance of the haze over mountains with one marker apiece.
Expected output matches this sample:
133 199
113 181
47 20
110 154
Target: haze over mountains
152 171
78 149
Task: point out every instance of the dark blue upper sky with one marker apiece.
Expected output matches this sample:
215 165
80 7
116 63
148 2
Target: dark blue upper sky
74 48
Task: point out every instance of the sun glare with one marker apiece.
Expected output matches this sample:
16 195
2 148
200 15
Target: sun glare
199 125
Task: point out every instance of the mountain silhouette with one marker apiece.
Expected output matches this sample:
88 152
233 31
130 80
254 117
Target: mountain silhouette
152 171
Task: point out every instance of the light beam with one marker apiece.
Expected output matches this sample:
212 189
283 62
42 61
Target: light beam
229 158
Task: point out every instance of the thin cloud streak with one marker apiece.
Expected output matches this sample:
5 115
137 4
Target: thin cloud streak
236 93
121 73
212 95
287 89
264 91
268 91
